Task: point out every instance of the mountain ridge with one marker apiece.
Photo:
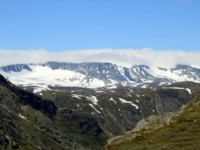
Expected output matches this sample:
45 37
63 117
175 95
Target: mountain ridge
95 75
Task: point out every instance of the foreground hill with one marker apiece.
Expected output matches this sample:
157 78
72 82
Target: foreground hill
29 122
173 131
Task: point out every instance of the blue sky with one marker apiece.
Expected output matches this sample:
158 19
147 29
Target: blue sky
60 25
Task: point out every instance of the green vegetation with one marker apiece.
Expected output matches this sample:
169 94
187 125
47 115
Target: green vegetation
183 133
28 122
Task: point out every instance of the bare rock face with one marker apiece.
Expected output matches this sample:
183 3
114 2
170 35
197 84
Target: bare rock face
88 124
148 124
153 122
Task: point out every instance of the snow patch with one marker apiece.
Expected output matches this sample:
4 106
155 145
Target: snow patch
189 91
99 91
178 88
93 99
111 99
128 102
21 116
76 96
137 95
129 95
95 109
144 86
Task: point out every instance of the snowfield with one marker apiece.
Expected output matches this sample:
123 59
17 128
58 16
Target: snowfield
42 77
95 75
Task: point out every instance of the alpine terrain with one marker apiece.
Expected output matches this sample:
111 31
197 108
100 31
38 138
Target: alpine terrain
82 105
95 75
170 131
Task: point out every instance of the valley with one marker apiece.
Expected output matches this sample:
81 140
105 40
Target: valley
78 117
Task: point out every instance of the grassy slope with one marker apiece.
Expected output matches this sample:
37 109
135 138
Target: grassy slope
37 130
182 134
26 133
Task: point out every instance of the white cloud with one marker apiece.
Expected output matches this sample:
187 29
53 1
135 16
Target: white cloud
124 57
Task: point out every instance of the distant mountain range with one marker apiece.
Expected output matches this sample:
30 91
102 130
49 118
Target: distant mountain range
95 75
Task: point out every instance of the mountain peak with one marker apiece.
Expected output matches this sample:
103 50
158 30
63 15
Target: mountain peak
95 75
140 66
15 68
180 66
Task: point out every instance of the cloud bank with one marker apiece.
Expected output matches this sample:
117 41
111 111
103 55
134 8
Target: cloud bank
123 57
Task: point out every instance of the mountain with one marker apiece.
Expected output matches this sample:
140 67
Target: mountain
118 110
53 75
81 105
171 131
28 121
81 118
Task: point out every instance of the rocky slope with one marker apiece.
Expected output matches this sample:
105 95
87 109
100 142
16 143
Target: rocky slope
172 131
29 122
118 110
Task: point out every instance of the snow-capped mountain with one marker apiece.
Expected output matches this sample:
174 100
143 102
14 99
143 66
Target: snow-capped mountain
94 75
